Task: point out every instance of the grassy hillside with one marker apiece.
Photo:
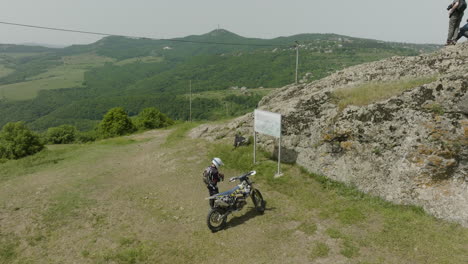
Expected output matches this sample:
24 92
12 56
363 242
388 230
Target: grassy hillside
77 84
140 199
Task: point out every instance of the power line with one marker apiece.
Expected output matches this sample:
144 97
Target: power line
62 29
139 37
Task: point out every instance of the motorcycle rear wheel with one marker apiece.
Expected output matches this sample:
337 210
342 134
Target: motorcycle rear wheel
216 219
258 201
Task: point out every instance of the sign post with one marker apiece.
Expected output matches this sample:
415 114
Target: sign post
255 146
270 124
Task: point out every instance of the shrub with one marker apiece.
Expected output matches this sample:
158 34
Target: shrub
88 136
63 134
17 141
115 123
151 118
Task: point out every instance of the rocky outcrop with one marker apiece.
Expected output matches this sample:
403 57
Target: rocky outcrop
411 148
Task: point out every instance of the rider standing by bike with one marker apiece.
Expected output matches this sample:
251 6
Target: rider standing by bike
211 177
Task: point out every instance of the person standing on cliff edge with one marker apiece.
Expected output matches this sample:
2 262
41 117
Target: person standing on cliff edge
456 10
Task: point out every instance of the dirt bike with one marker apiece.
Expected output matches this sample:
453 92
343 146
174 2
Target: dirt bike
233 200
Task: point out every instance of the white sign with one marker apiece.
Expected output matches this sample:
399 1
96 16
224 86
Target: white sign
267 123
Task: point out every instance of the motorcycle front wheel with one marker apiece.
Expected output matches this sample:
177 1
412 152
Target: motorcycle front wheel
216 219
258 201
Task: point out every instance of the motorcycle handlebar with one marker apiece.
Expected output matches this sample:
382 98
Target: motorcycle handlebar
244 175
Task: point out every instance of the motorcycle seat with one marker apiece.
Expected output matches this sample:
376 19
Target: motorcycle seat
228 192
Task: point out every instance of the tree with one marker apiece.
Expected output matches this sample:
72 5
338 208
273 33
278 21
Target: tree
63 134
115 123
17 141
151 118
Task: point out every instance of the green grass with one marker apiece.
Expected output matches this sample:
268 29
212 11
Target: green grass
308 228
129 251
53 155
368 93
132 250
319 250
334 233
39 161
349 250
347 214
64 205
8 247
357 219
435 108
118 141
179 132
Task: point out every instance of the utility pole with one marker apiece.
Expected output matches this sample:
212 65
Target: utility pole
190 116
297 58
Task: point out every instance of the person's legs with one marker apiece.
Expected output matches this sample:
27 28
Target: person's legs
212 190
454 24
457 27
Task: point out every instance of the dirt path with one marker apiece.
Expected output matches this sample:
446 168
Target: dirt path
143 202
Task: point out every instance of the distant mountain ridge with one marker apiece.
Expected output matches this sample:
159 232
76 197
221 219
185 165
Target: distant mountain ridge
216 35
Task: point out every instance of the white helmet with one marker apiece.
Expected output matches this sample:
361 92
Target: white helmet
217 162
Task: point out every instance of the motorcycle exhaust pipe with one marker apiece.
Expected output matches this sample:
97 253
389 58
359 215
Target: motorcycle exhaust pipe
221 203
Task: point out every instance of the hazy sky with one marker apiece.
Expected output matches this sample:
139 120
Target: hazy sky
416 21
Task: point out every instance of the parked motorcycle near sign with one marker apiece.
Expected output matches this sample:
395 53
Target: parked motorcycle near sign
234 200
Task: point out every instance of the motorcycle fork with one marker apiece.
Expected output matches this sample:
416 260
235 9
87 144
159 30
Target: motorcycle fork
226 214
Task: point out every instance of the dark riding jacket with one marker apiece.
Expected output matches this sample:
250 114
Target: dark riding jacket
213 176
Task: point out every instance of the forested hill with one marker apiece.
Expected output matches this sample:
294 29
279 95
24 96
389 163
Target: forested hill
76 85
218 42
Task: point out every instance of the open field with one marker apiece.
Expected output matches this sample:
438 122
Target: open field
69 74
85 61
147 59
140 199
29 89
4 71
